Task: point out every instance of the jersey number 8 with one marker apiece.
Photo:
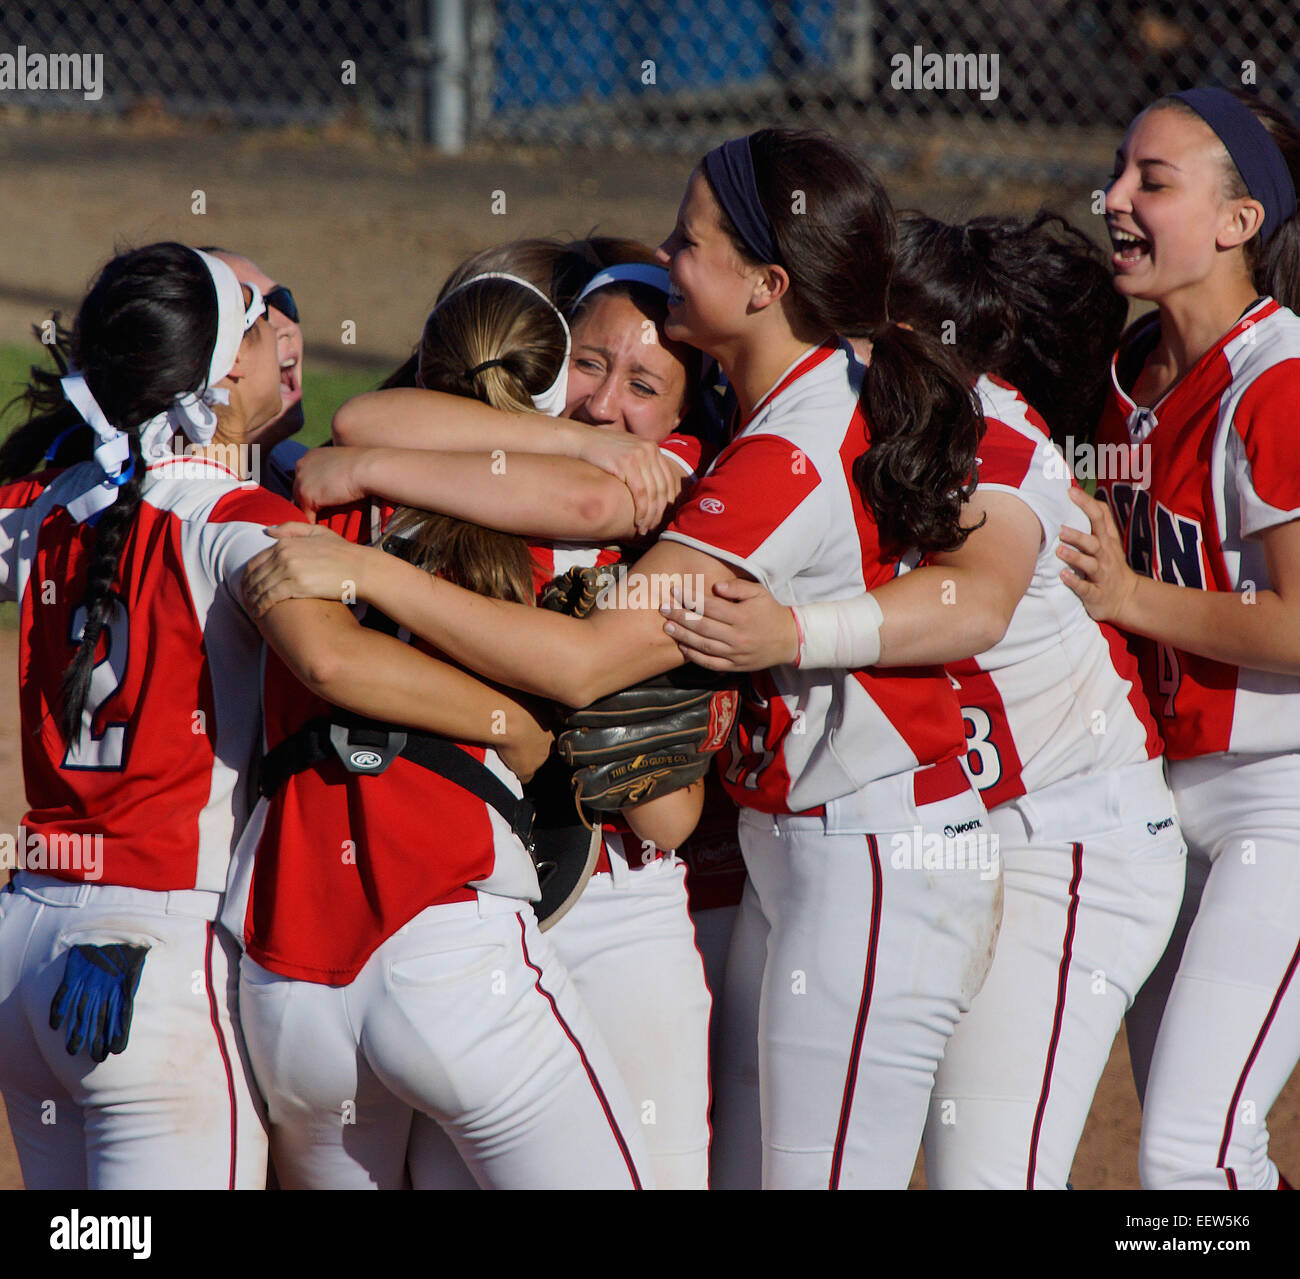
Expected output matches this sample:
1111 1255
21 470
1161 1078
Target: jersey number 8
983 763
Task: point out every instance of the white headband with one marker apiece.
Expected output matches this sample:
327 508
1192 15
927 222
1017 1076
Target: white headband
632 272
552 400
191 413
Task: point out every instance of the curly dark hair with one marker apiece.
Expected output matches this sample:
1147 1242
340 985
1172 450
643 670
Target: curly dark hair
838 243
1028 299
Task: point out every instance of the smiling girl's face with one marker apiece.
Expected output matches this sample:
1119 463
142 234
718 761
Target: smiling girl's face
623 375
1171 225
711 286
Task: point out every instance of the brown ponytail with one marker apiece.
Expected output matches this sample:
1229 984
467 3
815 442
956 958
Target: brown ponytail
916 476
499 343
835 233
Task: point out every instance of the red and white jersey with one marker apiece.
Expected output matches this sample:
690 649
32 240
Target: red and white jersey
551 558
341 861
1211 466
780 503
170 726
1059 695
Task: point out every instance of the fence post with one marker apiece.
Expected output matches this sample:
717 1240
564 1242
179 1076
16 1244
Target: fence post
439 39
858 21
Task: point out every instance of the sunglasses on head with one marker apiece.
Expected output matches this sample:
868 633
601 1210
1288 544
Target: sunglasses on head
280 298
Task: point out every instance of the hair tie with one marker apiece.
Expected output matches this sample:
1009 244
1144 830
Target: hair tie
487 364
550 401
191 412
730 171
1251 148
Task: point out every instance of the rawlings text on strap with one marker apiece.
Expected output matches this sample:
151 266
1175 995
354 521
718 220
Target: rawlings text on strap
367 747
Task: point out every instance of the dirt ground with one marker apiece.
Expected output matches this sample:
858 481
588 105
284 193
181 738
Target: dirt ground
364 231
361 229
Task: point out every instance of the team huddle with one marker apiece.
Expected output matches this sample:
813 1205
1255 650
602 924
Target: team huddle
982 767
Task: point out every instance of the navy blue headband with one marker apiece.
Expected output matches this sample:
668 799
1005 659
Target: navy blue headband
1252 149
730 170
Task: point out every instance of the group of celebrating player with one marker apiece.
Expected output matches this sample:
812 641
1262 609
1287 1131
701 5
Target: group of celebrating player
1010 766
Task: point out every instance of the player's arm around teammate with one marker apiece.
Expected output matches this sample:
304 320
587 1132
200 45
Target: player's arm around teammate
628 943
139 763
595 474
1061 745
1201 210
402 983
814 512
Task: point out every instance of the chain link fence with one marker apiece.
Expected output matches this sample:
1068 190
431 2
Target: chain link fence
1010 84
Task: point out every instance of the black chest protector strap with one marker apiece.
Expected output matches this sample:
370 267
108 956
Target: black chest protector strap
366 746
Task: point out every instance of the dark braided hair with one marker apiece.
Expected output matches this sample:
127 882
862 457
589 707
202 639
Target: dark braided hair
143 336
1029 299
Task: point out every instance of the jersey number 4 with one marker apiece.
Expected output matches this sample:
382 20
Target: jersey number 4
1169 675
106 753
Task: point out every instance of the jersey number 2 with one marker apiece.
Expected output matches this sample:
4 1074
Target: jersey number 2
108 752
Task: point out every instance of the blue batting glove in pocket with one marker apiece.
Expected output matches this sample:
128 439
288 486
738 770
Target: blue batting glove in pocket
97 996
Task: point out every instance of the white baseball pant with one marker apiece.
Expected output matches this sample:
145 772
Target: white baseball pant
1215 1033
176 1109
628 945
466 1016
864 951
1093 872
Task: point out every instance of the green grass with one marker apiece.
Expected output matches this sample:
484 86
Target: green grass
322 392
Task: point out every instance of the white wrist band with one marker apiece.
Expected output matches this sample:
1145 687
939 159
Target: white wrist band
842 635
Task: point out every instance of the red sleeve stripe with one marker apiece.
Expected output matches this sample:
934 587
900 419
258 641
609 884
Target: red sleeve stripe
586 1065
860 1027
1062 983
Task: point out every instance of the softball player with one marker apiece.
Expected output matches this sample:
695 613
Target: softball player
276 450
133 553
1201 211
138 732
378 983
1061 742
867 967
628 943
